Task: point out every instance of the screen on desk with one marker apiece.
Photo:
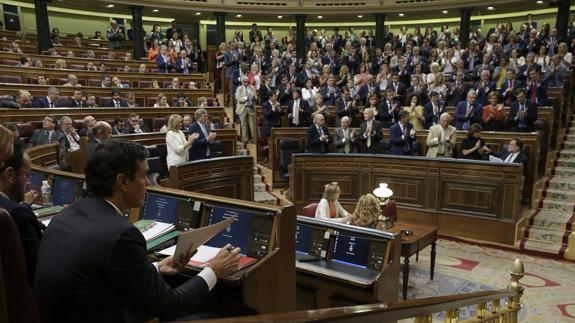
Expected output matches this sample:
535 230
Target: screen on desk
310 240
250 231
66 191
359 251
170 209
35 182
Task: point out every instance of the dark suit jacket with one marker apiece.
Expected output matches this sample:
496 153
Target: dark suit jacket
530 117
76 104
312 142
110 104
482 92
303 115
341 112
509 97
461 111
201 145
385 115
163 66
29 230
91 147
170 32
40 137
399 145
101 271
520 159
431 117
376 136
271 118
456 94
181 66
42 102
330 99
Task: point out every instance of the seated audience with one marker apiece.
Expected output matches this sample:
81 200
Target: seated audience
47 134
367 212
345 138
493 114
182 100
48 101
371 133
512 153
161 101
509 86
522 114
201 146
136 125
119 127
441 138
132 101
77 100
329 208
402 135
175 85
14 174
116 101
473 147
117 83
91 101
105 80
176 143
317 138
105 265
89 124
467 112
72 81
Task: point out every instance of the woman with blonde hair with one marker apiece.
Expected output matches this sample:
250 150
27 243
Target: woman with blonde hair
366 212
162 101
176 143
415 112
329 207
60 64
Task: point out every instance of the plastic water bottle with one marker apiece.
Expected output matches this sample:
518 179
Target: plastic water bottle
46 193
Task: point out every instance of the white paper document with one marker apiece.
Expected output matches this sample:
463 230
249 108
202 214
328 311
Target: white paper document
495 159
204 254
156 230
194 238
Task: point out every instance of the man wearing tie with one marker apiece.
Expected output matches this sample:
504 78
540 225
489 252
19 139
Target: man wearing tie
48 101
522 114
201 147
346 107
457 90
317 138
164 61
298 110
345 139
77 100
116 101
433 110
537 88
69 141
402 135
513 153
330 92
47 134
245 98
272 115
483 87
387 110
441 138
467 112
507 91
183 64
371 133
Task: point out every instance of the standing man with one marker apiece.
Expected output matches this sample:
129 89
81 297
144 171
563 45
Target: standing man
433 110
345 139
245 97
298 110
174 29
371 133
164 61
467 112
441 138
201 147
272 114
522 114
345 106
317 138
115 36
402 135
102 271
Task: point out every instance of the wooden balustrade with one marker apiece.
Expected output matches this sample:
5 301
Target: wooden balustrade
112 64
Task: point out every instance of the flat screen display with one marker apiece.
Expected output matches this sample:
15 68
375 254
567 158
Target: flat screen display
65 191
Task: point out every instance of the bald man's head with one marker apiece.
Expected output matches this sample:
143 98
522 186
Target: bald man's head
102 131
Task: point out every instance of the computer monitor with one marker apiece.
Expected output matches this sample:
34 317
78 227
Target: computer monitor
251 231
357 250
170 209
310 240
66 191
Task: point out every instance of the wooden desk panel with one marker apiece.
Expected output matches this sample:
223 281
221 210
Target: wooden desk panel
486 192
110 63
44 155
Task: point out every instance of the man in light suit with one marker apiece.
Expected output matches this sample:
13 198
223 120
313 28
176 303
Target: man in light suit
317 137
371 133
246 97
402 135
345 139
47 134
201 146
102 271
441 138
467 112
513 153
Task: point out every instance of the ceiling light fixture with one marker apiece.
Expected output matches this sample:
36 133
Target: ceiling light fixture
319 17
155 10
445 12
280 17
238 16
401 14
359 16
540 2
110 6
490 8
198 13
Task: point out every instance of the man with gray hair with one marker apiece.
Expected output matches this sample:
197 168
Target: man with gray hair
345 138
115 36
245 97
201 147
468 112
317 138
48 101
441 138
164 61
101 132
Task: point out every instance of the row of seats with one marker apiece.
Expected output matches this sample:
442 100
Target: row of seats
15 79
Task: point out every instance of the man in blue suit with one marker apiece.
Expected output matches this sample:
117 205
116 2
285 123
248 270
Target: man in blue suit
164 61
508 88
537 87
522 114
317 137
483 87
14 175
402 135
48 101
330 92
201 146
467 112
387 110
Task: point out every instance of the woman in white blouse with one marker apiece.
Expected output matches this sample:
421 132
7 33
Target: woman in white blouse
329 207
176 142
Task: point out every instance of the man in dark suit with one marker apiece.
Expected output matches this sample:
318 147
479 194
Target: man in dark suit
116 101
387 110
47 134
14 175
397 86
102 270
136 125
330 92
457 90
272 114
201 147
48 101
77 100
101 132
367 90
432 110
265 89
119 127
402 135
483 87
370 133
164 61
317 138
537 87
183 63
522 114
345 106
467 112
298 110
508 88
416 89
305 74
255 32
170 32
513 153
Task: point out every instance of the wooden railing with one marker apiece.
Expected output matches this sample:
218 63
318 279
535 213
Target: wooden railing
490 306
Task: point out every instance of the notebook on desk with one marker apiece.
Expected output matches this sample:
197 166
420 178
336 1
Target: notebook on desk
205 254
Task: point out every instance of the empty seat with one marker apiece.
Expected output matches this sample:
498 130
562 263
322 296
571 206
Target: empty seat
26 130
288 147
144 84
78 124
153 151
104 100
10 62
309 210
92 82
77 67
10 79
158 123
151 101
61 81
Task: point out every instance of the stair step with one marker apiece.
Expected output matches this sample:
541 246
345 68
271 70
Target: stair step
567 153
564 171
569 144
258 178
542 246
558 205
562 182
551 220
265 198
564 162
241 152
558 194
544 234
260 187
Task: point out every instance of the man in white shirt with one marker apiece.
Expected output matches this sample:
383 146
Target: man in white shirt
245 97
441 138
513 153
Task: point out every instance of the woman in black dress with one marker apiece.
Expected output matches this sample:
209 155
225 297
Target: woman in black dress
473 147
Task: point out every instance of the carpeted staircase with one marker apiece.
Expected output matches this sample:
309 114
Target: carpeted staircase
552 222
262 191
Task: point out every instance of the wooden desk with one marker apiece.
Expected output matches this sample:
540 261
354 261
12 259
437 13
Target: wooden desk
422 236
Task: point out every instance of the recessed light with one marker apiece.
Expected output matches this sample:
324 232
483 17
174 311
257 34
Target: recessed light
198 13
280 17
110 6
359 16
490 8
238 16
319 17
401 14
155 10
540 2
445 12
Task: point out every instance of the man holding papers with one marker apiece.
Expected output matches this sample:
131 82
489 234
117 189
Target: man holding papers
101 272
513 153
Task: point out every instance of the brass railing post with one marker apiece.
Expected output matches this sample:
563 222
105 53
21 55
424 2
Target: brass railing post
514 303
